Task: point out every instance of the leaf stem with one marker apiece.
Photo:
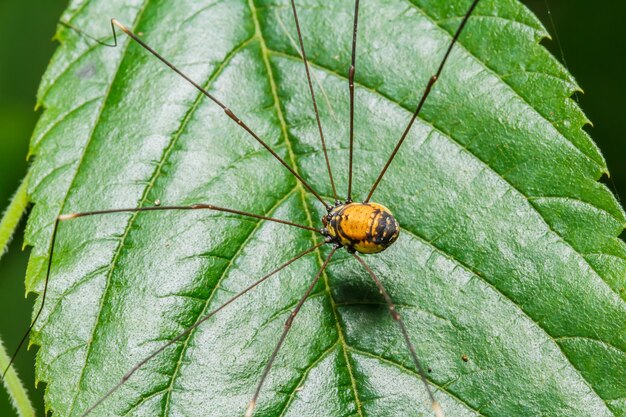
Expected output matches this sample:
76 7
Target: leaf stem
13 385
12 215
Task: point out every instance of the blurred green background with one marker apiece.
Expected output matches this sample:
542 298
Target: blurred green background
591 34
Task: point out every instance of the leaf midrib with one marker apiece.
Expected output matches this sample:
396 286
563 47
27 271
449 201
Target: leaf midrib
156 174
292 161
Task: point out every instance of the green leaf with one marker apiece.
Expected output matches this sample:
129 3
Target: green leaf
508 252
14 387
12 216
11 381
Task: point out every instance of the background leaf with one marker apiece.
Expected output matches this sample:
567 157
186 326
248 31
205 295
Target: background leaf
8 224
15 388
508 252
12 216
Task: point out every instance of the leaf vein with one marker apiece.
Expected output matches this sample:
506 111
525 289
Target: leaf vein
517 93
63 202
434 127
469 269
211 296
415 374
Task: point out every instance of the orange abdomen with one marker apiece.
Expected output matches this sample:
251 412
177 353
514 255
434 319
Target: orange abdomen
363 227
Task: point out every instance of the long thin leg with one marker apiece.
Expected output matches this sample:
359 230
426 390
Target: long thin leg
192 207
196 324
396 316
129 210
93 38
317 114
351 73
288 323
427 90
43 299
229 113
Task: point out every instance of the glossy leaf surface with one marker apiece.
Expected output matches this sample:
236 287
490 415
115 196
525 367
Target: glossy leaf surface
508 253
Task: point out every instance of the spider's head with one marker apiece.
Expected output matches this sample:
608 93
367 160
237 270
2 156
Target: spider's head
361 227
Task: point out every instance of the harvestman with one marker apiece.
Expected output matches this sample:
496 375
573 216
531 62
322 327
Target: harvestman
359 227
